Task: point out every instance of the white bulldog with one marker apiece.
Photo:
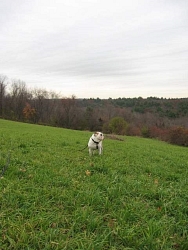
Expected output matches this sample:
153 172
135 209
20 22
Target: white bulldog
95 142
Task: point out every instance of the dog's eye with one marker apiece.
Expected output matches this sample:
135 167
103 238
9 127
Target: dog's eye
101 134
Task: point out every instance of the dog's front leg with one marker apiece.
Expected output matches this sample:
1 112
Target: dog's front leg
100 150
90 151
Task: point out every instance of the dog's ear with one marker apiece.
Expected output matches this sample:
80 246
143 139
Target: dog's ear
96 133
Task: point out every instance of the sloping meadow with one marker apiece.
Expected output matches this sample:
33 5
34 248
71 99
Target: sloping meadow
54 196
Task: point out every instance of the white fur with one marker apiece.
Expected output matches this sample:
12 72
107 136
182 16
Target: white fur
95 142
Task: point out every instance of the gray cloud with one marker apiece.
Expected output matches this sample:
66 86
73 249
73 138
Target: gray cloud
123 49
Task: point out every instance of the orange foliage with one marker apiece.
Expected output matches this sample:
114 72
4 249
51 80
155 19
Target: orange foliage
28 111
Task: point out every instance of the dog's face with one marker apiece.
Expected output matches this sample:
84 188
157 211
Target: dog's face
99 136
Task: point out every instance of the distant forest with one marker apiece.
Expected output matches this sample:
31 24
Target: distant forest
152 117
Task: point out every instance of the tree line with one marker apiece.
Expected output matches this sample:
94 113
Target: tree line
161 118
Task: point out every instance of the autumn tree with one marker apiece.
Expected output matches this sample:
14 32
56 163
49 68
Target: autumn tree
29 112
178 136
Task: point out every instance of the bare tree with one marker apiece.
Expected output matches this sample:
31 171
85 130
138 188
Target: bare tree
39 101
68 112
3 85
46 106
19 96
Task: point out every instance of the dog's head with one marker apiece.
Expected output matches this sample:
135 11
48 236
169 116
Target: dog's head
99 136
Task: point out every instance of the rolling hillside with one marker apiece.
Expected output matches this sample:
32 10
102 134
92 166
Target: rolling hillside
54 196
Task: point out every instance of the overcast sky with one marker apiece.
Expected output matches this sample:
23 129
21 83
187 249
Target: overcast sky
97 48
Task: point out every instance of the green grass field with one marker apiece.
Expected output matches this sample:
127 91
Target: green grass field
53 196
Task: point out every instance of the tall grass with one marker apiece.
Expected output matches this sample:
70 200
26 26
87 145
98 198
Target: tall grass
54 196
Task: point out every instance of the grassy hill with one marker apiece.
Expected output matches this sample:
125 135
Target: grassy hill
54 196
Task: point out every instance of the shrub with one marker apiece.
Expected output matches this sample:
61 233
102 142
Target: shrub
106 128
178 136
158 133
145 132
118 125
133 130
